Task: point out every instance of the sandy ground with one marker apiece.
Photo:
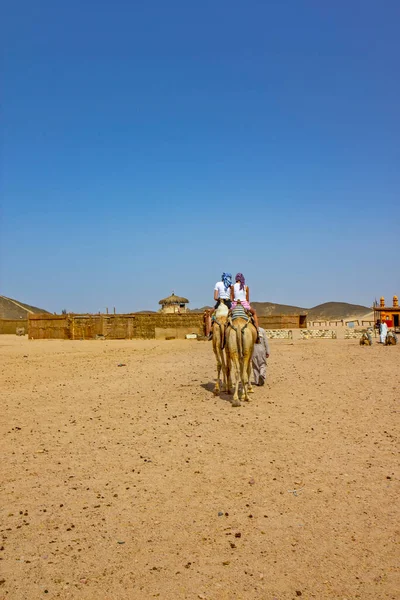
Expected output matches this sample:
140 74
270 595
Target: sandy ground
135 482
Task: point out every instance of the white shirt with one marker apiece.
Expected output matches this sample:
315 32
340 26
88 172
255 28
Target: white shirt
239 294
222 293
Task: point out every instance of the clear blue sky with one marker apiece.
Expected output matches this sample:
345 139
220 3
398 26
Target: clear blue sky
148 146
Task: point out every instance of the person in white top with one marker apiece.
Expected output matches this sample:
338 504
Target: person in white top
383 330
222 291
240 291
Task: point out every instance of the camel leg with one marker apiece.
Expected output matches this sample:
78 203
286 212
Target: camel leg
235 400
223 363
217 388
249 386
245 379
219 367
228 375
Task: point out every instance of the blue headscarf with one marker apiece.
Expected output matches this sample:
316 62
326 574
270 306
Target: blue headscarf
227 280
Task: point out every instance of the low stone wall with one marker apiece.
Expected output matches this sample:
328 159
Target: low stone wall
355 334
279 334
306 334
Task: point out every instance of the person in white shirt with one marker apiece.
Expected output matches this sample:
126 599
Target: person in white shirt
383 330
222 291
240 291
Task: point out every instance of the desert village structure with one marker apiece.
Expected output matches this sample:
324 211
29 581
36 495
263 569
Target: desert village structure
174 320
389 314
173 304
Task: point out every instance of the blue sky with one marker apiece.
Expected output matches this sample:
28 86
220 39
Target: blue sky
148 146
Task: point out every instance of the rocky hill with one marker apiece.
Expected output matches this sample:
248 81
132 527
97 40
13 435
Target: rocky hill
266 309
337 310
13 309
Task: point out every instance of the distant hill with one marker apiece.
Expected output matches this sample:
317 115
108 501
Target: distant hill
199 310
337 310
264 309
14 309
326 311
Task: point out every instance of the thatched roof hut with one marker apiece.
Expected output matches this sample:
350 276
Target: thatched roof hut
173 304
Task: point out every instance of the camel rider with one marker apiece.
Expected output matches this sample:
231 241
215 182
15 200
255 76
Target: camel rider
240 291
222 292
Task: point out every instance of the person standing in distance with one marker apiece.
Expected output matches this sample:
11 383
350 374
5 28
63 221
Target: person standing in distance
259 358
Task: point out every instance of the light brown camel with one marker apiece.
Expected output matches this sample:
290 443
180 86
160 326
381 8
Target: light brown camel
241 336
391 338
218 341
366 339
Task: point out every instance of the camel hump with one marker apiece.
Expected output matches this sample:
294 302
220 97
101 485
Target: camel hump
222 310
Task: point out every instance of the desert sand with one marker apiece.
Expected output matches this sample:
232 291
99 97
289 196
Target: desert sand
135 482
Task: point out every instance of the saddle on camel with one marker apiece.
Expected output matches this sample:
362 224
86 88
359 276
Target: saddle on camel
241 335
225 315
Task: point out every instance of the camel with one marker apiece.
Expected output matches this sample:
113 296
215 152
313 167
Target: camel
218 341
366 339
391 339
241 336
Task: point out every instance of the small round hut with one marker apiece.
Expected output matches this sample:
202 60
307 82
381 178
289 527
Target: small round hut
173 304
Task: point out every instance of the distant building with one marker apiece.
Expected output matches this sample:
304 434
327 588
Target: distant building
173 304
389 314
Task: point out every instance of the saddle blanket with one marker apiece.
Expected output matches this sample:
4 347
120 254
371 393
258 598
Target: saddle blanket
239 313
